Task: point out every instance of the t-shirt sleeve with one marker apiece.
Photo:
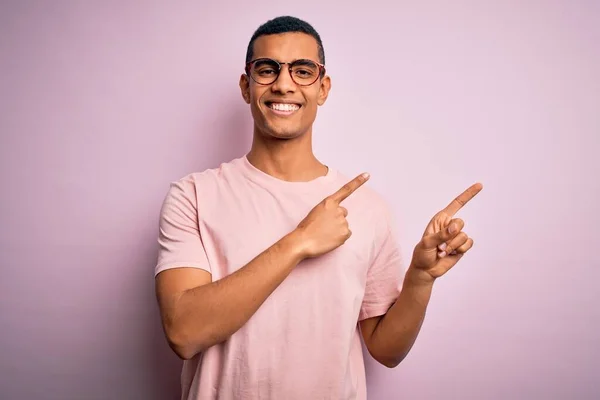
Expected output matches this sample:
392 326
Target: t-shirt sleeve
384 277
179 240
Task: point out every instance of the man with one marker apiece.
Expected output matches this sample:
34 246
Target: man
273 264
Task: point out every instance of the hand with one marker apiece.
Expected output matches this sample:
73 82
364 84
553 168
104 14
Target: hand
325 227
444 243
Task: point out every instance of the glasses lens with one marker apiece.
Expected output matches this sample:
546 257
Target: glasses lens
304 72
265 71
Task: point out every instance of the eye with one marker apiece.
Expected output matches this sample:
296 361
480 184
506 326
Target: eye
265 71
304 72
305 69
265 68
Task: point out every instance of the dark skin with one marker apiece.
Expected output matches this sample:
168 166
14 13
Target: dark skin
282 145
291 47
198 313
390 337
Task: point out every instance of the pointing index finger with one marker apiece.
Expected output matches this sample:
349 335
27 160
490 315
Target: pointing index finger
463 199
349 188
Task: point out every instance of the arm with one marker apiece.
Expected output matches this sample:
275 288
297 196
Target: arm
197 314
390 337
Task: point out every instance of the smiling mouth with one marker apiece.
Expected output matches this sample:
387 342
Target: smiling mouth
283 108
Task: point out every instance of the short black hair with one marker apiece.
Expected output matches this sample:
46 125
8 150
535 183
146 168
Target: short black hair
285 24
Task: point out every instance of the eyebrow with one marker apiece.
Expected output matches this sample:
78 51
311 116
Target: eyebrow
304 61
264 60
301 61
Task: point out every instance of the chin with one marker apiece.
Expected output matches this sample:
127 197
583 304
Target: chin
283 133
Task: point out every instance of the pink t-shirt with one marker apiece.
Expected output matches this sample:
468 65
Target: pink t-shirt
303 342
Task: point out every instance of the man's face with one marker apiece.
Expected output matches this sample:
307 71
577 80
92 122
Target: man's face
271 117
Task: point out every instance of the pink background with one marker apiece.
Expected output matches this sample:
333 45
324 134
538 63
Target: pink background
102 105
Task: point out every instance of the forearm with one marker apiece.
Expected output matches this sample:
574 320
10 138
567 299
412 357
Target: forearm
209 314
398 329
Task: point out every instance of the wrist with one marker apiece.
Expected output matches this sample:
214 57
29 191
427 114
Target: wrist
417 277
294 243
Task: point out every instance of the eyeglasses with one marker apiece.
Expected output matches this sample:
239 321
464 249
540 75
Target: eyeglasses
265 71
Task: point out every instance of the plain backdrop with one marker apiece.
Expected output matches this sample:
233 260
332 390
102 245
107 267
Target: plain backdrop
102 104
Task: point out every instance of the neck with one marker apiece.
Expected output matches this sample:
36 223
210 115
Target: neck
286 159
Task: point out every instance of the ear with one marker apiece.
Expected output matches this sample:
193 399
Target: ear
324 90
245 88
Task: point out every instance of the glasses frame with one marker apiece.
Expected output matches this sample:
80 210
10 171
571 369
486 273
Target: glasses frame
280 65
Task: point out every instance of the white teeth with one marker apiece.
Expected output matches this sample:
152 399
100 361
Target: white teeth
284 107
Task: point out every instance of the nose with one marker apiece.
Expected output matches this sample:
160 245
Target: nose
284 83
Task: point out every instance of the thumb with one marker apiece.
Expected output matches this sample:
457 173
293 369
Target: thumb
435 239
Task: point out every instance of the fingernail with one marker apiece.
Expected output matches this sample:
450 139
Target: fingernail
442 246
452 228
442 254
366 175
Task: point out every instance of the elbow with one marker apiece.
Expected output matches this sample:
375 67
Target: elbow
388 361
184 346
182 351
388 357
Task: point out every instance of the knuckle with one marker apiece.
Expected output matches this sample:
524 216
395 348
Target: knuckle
426 242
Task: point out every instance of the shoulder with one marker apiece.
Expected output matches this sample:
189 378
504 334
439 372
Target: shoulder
195 183
199 187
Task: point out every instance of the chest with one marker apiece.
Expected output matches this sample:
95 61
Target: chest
242 226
